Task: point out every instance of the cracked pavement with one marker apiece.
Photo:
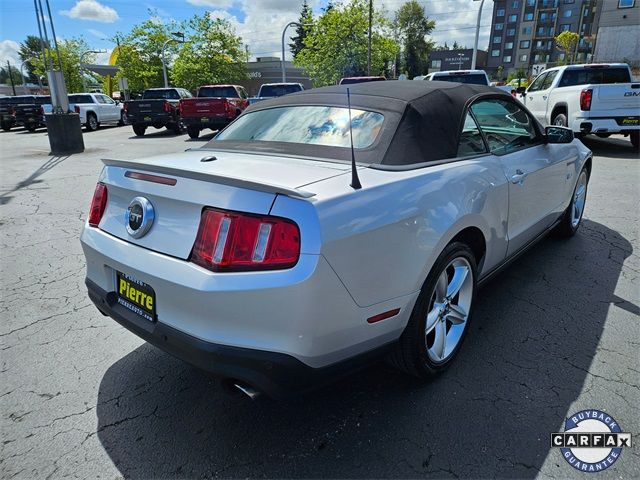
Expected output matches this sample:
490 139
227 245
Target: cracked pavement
80 396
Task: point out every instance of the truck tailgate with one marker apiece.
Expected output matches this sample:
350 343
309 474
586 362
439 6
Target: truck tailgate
620 99
203 107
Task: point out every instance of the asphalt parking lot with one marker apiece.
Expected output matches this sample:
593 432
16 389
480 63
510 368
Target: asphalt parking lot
80 396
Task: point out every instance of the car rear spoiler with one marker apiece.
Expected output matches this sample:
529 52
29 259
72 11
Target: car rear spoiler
209 177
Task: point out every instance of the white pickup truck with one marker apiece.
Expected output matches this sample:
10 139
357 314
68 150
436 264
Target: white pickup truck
95 109
598 99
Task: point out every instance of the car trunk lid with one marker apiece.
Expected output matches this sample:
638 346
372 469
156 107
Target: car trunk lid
226 180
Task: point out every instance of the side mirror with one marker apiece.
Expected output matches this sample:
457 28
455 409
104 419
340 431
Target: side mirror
521 90
558 134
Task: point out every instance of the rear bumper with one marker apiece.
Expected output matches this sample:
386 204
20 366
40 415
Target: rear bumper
206 122
587 125
277 374
152 119
303 314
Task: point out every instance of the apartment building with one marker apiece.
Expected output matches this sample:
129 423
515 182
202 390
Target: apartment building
618 38
523 31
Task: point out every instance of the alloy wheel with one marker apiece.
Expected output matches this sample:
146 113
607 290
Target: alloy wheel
449 309
579 199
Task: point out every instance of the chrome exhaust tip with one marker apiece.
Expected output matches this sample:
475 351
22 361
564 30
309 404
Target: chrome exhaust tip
250 392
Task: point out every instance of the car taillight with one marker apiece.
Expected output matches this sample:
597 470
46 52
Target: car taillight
98 204
125 107
232 241
180 107
167 107
585 99
41 111
76 109
227 107
12 111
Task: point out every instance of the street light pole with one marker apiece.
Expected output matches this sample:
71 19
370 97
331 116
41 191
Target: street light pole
475 45
164 46
369 38
284 73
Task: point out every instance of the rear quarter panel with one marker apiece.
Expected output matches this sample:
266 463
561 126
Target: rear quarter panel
383 240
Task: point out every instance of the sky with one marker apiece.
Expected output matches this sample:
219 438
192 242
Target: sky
259 22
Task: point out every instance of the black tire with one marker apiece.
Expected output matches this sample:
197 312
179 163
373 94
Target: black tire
560 120
122 120
411 353
92 122
177 128
194 132
139 130
568 227
635 140
32 128
6 127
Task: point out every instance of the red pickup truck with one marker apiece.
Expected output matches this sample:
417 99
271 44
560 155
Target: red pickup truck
214 107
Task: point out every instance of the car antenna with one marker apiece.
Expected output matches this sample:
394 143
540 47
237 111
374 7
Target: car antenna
355 181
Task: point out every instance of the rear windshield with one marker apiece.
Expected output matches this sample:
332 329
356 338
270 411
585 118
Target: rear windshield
473 78
43 100
80 99
161 95
226 92
594 76
313 125
17 100
278 90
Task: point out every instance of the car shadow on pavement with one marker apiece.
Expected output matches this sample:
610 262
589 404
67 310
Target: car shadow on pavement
162 132
615 147
51 163
535 332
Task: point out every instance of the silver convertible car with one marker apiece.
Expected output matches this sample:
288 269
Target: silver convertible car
325 229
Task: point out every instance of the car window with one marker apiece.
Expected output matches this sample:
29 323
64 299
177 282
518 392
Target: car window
169 94
594 76
80 99
100 99
315 125
472 78
243 93
506 126
548 80
537 83
225 92
108 100
278 90
471 141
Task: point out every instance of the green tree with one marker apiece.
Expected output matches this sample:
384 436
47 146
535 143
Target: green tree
413 27
566 42
140 53
212 53
336 44
29 51
70 52
15 74
305 21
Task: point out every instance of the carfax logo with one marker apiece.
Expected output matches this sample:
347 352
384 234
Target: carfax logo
592 441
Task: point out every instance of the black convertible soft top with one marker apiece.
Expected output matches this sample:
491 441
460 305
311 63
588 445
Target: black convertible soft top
422 124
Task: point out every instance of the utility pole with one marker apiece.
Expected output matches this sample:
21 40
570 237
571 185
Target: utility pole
11 78
475 43
369 39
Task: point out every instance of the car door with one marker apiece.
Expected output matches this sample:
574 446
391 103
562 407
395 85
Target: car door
536 176
112 110
101 109
533 97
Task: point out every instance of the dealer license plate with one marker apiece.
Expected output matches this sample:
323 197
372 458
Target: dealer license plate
136 296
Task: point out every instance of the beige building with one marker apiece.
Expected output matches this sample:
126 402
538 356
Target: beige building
618 38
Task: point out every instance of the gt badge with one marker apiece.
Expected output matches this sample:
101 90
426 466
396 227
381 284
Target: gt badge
139 217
